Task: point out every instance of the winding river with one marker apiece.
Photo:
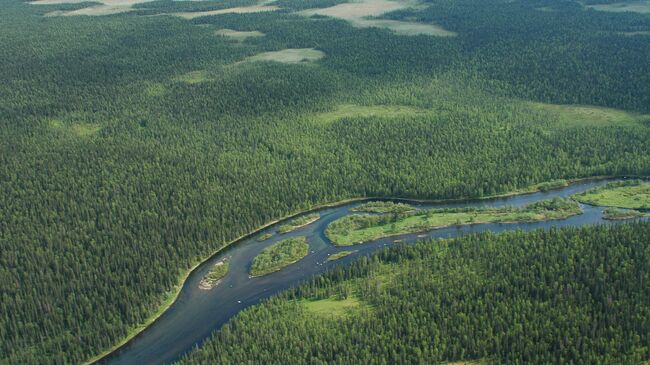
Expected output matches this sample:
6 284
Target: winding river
197 313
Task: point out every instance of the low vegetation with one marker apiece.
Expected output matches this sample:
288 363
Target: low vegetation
265 236
359 228
289 55
373 112
590 116
333 307
383 207
299 222
237 35
340 255
621 214
279 255
639 6
217 272
630 194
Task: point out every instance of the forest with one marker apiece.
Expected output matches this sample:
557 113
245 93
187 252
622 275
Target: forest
134 146
564 296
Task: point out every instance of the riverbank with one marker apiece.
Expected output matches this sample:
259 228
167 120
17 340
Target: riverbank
170 297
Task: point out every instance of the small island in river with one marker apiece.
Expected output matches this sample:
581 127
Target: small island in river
299 223
279 255
214 276
359 228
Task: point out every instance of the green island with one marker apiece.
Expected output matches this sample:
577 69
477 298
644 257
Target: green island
265 236
359 228
631 194
614 214
279 255
298 223
214 276
383 207
340 255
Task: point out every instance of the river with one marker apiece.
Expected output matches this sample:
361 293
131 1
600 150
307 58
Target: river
197 313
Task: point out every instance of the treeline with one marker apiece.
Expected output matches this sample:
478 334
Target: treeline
115 176
544 297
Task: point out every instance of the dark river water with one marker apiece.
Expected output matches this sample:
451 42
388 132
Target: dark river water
197 313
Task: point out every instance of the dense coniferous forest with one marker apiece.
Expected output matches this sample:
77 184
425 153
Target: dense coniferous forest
133 146
546 297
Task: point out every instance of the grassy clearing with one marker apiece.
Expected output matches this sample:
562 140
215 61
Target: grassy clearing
361 228
632 194
358 13
105 7
155 89
237 10
590 116
299 222
637 33
279 255
366 111
237 35
340 255
333 307
383 207
404 27
193 77
642 7
77 129
214 276
289 55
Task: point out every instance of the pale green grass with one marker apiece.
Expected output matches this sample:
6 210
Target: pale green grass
642 7
194 77
290 55
237 10
340 255
364 111
637 33
237 35
106 7
332 307
363 13
590 116
155 89
630 197
81 130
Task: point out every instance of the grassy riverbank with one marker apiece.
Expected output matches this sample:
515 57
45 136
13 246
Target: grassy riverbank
361 228
279 255
614 214
633 194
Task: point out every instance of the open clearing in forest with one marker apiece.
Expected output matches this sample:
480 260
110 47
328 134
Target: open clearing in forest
642 7
237 35
82 130
193 77
332 307
106 7
366 111
237 10
591 116
289 55
360 14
